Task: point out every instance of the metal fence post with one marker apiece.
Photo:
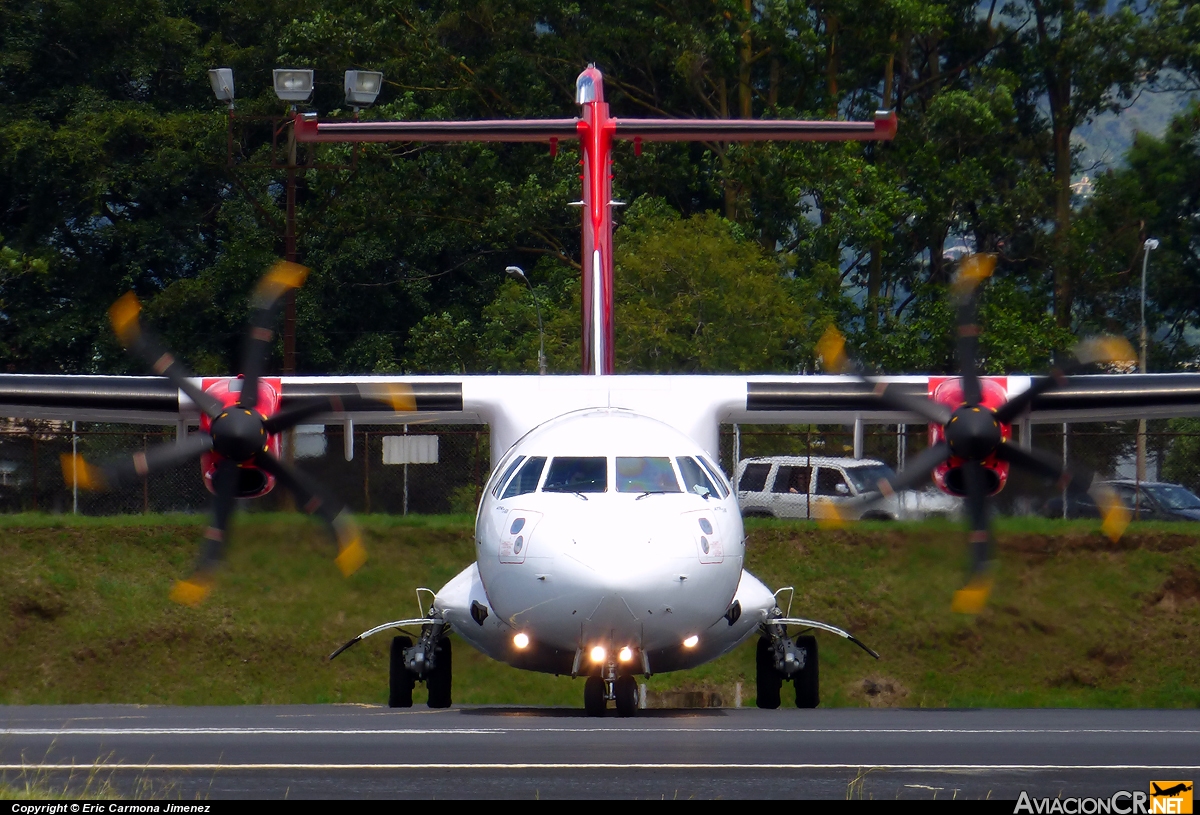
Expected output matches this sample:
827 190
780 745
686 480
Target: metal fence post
35 475
145 484
366 473
737 457
74 475
1064 492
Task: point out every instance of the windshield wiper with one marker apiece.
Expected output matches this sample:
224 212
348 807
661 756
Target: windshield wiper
652 492
580 494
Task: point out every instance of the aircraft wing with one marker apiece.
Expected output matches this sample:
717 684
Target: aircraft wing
513 405
154 400
835 399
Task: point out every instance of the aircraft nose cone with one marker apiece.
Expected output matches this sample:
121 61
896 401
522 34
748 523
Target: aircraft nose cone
973 432
238 434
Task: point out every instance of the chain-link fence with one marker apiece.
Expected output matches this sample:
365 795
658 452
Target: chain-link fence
458 463
32 478
1109 449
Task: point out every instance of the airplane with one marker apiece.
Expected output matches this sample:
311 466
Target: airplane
1170 792
609 544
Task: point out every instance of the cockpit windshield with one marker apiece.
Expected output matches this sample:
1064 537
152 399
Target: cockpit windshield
577 474
645 474
695 478
527 479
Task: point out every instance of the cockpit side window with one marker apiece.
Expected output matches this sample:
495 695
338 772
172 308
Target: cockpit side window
577 474
645 474
695 479
508 471
718 477
527 479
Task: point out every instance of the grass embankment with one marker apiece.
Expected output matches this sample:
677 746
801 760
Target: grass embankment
1074 620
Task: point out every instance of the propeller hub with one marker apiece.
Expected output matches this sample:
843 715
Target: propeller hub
238 434
973 432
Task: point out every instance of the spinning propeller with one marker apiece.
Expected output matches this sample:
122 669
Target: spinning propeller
236 439
970 422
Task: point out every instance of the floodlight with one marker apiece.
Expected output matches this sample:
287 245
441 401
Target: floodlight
625 654
293 84
691 641
521 640
598 654
222 84
362 87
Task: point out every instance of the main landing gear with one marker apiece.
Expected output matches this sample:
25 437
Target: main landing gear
598 689
779 658
428 660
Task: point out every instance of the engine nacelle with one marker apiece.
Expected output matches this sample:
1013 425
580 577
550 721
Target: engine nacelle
252 482
949 475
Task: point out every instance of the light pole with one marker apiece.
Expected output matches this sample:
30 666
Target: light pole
293 86
517 273
1149 246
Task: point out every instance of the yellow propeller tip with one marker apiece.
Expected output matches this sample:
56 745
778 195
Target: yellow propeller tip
1106 349
831 348
971 598
828 517
973 270
1115 523
398 396
286 275
351 558
123 315
190 592
78 472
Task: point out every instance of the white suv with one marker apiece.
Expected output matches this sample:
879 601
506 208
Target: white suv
793 486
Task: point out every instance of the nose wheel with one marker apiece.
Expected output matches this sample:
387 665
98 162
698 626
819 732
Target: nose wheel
623 690
780 658
594 697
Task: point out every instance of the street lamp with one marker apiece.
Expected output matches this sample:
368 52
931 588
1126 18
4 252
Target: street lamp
517 273
362 87
222 84
1149 246
293 84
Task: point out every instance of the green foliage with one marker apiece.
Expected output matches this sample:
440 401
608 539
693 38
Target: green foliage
86 616
1182 465
691 297
114 175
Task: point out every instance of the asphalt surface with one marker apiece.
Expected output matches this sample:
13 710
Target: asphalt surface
360 751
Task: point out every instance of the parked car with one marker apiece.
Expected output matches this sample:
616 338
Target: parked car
792 487
1148 500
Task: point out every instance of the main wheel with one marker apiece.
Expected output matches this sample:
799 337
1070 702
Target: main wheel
768 680
438 678
593 696
807 681
400 678
626 691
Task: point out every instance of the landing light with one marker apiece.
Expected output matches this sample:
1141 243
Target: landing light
521 640
625 654
599 654
691 641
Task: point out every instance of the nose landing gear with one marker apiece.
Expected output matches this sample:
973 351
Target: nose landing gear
779 657
428 660
606 685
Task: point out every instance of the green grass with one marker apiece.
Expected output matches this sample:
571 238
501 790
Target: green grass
1074 620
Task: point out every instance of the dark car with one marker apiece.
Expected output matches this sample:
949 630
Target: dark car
1148 501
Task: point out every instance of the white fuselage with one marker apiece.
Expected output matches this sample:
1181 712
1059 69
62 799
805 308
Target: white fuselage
606 528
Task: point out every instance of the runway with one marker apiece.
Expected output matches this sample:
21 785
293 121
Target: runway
362 751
